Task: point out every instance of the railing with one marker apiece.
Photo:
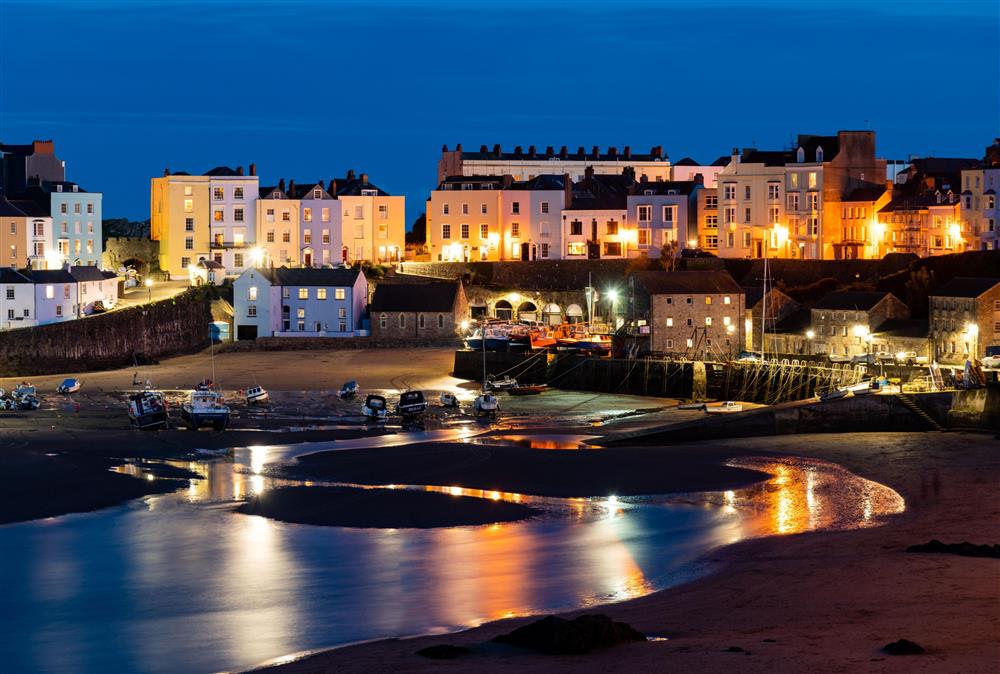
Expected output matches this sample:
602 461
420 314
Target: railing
228 244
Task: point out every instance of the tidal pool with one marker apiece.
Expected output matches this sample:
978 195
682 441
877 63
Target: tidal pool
179 583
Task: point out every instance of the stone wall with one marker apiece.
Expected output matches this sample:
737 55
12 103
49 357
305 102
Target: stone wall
111 340
122 249
411 328
331 343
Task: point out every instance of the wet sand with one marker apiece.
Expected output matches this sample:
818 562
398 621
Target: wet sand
822 602
380 508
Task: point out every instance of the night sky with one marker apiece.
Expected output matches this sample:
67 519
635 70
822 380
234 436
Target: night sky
309 89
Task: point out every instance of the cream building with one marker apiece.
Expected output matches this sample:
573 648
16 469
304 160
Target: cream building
233 225
524 165
179 219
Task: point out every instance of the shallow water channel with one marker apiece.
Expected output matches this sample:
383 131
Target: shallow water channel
179 582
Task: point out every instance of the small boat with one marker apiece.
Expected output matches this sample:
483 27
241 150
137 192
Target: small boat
257 395
834 394
486 405
727 407
528 389
23 389
411 404
205 408
449 399
519 338
504 384
474 341
596 344
147 410
864 388
542 339
375 407
691 406
69 386
348 390
27 402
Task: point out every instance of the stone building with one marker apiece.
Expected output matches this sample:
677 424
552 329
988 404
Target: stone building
905 340
843 322
778 307
434 310
965 318
690 314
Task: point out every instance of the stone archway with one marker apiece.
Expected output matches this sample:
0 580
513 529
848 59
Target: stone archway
503 310
552 314
527 311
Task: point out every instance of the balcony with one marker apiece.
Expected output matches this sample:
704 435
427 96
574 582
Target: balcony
219 245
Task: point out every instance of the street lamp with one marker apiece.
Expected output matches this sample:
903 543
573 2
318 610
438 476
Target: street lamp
149 288
972 330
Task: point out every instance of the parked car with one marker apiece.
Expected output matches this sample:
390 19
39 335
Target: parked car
991 362
864 359
749 357
839 358
910 358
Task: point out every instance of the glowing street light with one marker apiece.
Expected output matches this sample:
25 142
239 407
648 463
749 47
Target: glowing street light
256 257
149 288
972 330
810 334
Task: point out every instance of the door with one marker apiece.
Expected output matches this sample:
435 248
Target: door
246 332
758 248
525 252
307 259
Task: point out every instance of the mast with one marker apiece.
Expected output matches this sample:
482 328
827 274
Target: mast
763 308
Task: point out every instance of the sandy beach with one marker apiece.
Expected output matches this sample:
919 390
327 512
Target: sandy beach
823 602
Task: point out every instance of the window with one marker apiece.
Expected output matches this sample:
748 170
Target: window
746 215
612 248
668 215
576 248
690 343
420 321
269 236
321 293
482 209
307 214
10 314
286 216
725 300
218 215
545 250
813 201
188 224
465 230
576 228
342 312
339 293
286 292
708 320
444 209
773 190
612 227
793 201
65 292
746 192
90 246
670 322
238 193
729 191
643 236
402 320
237 259
300 326
10 292
76 208
772 214
303 293
188 206
729 215
325 236
465 209
445 231
325 215
252 293
746 239
383 212
670 343
286 237
189 243
59 310
185 262
515 207
238 214
218 194
307 236
711 201
814 225
812 180
515 229
545 207
484 231
64 208
188 190
269 215
90 209
383 321
359 212
251 311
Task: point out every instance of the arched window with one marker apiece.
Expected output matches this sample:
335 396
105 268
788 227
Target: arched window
383 321
503 310
420 321
819 154
440 321
402 320
800 156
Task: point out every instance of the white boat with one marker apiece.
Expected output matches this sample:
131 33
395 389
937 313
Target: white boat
69 386
257 395
449 399
727 407
503 384
375 408
862 389
486 405
834 394
205 408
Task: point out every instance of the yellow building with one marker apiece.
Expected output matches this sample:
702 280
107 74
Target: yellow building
179 220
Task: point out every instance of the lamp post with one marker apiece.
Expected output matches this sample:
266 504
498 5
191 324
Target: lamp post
810 334
972 329
613 296
149 289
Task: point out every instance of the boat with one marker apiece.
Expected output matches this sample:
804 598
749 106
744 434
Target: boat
27 402
448 399
834 394
147 410
727 407
475 340
519 338
691 406
205 385
23 389
348 390
596 344
69 386
375 407
257 395
411 404
505 383
864 388
205 408
542 338
486 405
528 389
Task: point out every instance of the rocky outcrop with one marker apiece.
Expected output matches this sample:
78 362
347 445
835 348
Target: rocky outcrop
903 647
558 636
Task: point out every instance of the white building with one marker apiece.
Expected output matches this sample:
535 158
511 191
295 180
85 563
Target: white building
300 302
688 169
662 213
233 217
17 300
71 292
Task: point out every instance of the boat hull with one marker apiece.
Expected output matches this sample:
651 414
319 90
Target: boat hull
195 419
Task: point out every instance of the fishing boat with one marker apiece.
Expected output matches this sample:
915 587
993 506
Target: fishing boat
505 383
486 405
205 408
595 344
727 407
411 404
348 390
68 386
23 389
691 406
475 340
519 338
542 338
147 410
375 407
834 394
257 395
528 390
448 399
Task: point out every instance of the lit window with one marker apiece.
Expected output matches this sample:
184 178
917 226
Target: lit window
252 293
670 322
303 293
321 293
725 300
339 293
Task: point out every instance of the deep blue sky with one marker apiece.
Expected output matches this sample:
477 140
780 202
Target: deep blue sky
308 89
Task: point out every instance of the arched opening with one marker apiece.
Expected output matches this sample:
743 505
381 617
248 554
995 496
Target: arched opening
553 314
527 311
574 314
503 310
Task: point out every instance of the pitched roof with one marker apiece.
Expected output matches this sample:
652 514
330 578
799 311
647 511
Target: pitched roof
351 187
435 296
32 208
796 322
686 161
210 264
903 327
220 171
687 282
50 276
851 300
85 273
664 187
310 276
570 156
965 286
8 275
866 193
9 209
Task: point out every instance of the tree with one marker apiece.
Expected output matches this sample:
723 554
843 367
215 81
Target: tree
418 232
668 256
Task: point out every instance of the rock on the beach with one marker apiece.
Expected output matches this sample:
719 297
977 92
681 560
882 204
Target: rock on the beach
903 647
443 651
558 636
964 549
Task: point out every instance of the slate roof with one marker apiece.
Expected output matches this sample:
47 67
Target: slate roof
965 286
542 182
309 276
866 193
220 172
9 210
687 282
575 155
723 160
85 273
686 161
32 208
50 276
664 186
9 276
851 300
210 264
903 327
797 322
351 187
436 296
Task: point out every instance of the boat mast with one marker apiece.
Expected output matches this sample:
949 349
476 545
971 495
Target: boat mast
763 308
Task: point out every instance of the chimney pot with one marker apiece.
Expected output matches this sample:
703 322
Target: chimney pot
482 149
518 151
166 171
549 151
364 178
321 186
281 184
613 151
332 190
596 151
531 150
458 148
563 152
350 173
239 170
628 152
253 169
496 149
444 147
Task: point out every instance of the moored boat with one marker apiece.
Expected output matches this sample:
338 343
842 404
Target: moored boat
348 390
147 410
486 405
727 407
69 386
411 404
528 389
205 408
448 399
257 395
375 407
505 383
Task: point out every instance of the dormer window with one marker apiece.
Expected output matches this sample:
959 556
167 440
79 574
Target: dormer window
317 193
466 186
648 193
800 155
58 188
369 193
76 188
819 154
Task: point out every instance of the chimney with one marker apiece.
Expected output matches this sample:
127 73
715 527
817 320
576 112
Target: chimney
458 148
496 150
518 151
482 149
364 178
612 151
563 152
350 174
291 188
580 153
531 151
332 189
253 169
444 148
43 147
643 179
321 186
628 152
596 152
166 171
549 152
508 180
239 170
567 188
734 158
281 185
655 152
